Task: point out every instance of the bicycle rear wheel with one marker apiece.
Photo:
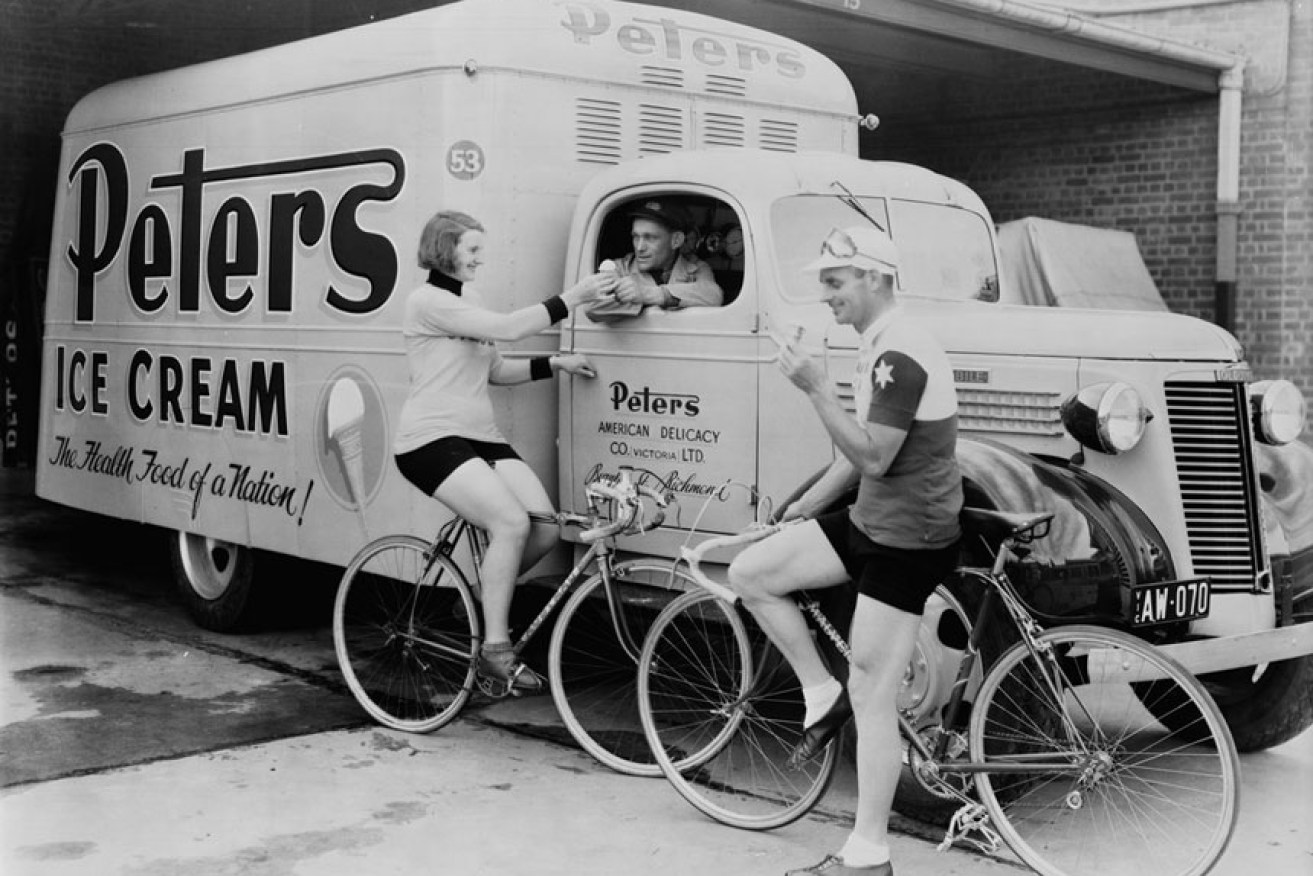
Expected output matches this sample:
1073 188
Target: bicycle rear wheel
593 661
722 712
1136 794
406 632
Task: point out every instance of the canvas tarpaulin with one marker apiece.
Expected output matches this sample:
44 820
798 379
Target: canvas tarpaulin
1058 264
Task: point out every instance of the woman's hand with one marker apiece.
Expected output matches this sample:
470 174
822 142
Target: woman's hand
575 363
591 288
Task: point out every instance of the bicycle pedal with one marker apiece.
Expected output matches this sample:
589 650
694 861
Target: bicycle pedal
494 688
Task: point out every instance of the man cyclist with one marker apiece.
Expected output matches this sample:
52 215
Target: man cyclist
895 543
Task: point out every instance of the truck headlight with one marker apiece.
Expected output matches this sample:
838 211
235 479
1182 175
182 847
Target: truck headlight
1278 411
1107 417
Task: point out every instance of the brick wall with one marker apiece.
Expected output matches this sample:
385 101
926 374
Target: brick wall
1100 149
1049 140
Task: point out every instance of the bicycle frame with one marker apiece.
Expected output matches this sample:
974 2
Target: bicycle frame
997 586
601 551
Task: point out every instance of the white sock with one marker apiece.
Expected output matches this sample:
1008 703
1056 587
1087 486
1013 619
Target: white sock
861 852
819 698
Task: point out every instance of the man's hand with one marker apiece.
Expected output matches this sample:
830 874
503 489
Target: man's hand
794 511
639 289
803 371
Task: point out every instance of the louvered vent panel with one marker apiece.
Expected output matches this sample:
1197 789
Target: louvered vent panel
597 131
723 129
1211 442
1028 413
660 129
731 86
661 77
778 136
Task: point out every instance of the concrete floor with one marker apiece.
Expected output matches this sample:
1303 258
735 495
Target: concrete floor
131 742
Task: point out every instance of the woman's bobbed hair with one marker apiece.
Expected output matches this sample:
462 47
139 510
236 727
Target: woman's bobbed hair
437 243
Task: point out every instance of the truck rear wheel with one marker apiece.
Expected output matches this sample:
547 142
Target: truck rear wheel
214 579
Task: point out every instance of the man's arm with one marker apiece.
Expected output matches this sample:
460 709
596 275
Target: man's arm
868 445
836 480
693 284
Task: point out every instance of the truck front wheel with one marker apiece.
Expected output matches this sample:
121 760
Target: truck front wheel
214 579
1267 707
1263 706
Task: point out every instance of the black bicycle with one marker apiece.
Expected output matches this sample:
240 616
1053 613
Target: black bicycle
1085 750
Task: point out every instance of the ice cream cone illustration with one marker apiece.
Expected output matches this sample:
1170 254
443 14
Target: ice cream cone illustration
346 412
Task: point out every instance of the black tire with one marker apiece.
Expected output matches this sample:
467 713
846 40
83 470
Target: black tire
722 711
215 580
406 633
594 675
1261 709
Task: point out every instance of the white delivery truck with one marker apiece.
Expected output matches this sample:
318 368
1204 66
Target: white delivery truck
233 242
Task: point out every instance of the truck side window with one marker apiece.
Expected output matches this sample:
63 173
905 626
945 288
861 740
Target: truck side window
710 234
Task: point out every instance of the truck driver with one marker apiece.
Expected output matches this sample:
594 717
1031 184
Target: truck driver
656 274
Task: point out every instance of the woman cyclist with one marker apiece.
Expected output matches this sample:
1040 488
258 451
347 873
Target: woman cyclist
448 443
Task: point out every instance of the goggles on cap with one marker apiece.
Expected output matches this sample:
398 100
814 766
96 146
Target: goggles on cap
839 244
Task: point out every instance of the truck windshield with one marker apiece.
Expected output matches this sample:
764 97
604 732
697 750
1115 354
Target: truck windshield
946 251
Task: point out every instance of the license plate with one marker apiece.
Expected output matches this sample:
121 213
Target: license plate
1171 601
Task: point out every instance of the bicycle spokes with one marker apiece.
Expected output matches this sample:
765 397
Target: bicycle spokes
1122 766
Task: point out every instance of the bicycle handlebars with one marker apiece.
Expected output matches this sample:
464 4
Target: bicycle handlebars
625 495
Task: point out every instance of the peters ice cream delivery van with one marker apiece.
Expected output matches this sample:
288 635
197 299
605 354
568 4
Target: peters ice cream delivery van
233 243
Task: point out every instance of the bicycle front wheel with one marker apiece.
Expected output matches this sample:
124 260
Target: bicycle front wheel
1084 780
406 632
722 712
593 660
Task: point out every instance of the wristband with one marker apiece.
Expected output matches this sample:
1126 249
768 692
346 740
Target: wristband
557 309
540 367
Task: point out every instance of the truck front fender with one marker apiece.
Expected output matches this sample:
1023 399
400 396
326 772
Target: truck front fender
1099 545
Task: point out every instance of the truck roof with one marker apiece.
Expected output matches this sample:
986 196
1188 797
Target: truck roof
765 176
611 43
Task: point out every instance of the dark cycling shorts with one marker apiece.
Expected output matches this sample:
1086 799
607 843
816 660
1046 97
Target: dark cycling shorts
898 577
428 466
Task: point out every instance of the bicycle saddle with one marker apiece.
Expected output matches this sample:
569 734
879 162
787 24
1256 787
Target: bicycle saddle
995 527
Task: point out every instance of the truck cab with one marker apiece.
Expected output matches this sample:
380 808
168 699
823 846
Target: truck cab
1137 430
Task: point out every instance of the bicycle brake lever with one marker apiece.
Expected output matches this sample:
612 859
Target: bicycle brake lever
663 498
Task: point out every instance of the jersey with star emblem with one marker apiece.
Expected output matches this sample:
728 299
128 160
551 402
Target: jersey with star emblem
915 503
897 384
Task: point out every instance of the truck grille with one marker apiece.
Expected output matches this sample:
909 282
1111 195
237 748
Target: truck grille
1210 438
